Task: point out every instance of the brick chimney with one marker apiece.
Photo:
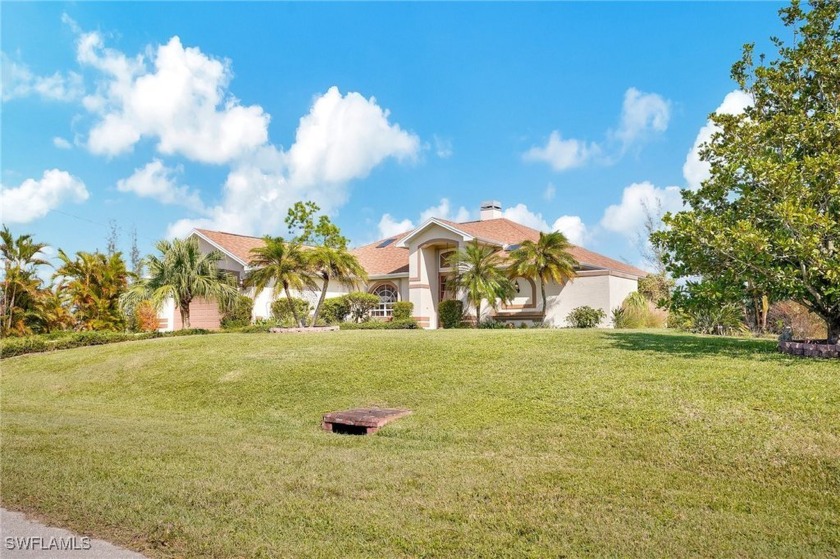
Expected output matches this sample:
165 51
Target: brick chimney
491 209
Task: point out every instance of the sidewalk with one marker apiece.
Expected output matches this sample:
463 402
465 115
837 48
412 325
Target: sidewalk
21 538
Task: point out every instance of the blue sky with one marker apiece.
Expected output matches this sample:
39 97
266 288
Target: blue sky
162 117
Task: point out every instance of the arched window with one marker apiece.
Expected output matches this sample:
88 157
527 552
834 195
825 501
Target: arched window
387 294
445 262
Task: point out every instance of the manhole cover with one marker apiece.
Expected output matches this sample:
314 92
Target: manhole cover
360 421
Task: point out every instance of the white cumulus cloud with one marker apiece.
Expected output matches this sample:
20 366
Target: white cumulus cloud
159 182
342 138
563 154
33 199
628 217
642 114
179 98
61 143
444 210
19 81
573 227
388 226
522 215
696 171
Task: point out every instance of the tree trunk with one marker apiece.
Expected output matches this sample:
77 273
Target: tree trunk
292 306
545 301
323 296
185 316
833 323
477 313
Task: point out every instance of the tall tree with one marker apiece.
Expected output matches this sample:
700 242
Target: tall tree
547 259
22 257
94 284
327 254
113 238
283 265
333 264
770 211
134 257
183 272
479 270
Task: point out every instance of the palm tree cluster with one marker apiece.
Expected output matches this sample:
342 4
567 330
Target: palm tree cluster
92 284
85 293
290 266
183 273
483 273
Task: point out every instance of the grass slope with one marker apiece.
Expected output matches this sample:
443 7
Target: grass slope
522 443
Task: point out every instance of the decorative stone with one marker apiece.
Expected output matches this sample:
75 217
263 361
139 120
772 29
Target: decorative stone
316 330
360 421
810 349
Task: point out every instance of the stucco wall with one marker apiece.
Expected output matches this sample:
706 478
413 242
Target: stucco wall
593 291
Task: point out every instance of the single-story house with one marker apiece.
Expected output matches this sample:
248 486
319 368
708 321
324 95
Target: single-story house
412 266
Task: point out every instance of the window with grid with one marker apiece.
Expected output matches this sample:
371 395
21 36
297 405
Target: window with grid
387 297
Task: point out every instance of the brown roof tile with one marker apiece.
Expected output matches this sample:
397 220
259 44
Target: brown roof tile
384 257
238 245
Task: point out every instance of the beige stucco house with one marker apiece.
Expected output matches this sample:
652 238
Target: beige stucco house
412 267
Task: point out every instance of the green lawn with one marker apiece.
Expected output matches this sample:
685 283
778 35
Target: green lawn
522 443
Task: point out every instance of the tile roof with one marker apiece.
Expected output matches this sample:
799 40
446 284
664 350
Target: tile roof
384 257
238 245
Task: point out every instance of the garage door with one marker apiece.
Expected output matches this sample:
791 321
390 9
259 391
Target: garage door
203 314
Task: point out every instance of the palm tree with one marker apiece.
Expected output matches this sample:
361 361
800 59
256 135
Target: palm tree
334 263
94 284
284 265
479 271
547 259
182 272
21 284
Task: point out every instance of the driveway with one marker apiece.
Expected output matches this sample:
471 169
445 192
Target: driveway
22 538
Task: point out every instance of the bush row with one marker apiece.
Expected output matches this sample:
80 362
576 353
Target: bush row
12 347
402 324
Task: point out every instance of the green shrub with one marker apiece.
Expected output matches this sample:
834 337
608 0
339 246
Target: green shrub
725 320
403 310
334 310
490 324
402 324
239 313
451 313
11 347
282 311
585 317
360 305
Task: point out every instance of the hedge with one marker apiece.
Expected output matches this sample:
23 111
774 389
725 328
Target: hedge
334 310
404 324
282 312
403 310
239 314
451 312
12 347
585 317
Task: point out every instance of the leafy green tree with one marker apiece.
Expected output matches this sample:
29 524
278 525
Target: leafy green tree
183 272
283 265
768 218
22 288
94 284
327 252
334 264
547 259
479 270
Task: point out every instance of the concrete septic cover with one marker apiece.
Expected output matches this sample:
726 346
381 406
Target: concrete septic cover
360 421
